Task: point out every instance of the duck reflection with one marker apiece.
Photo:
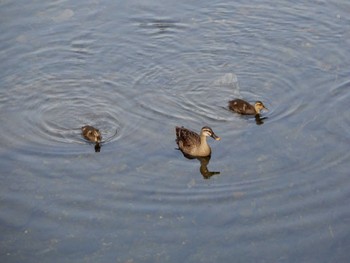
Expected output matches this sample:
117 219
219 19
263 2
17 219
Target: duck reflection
259 120
204 162
97 147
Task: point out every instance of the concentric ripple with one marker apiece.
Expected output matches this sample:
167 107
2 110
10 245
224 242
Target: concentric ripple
142 67
54 111
189 97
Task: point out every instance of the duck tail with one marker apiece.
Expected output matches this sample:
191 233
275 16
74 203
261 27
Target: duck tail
178 133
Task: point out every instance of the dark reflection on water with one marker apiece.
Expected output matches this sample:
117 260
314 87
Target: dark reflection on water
204 162
141 67
97 147
259 120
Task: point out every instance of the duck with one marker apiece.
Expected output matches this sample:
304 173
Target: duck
192 144
245 108
91 134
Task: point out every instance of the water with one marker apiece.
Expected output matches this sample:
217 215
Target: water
143 67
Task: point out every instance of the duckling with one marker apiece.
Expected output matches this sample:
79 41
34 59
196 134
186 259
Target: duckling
192 144
243 107
91 134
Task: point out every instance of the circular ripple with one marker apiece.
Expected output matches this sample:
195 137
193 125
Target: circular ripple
54 112
188 97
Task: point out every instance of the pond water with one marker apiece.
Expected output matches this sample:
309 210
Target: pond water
280 191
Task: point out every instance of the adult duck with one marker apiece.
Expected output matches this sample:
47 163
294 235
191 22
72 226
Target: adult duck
192 144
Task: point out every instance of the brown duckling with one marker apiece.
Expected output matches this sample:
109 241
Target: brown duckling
243 107
192 144
91 134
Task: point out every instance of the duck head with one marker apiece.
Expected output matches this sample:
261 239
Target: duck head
207 131
259 106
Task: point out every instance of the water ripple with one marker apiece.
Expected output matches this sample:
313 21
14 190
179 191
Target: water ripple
188 97
159 27
282 182
53 110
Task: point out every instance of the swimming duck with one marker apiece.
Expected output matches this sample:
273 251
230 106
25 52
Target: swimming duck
243 107
91 134
192 144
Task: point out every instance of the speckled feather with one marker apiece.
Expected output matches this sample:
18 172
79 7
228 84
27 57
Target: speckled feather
242 107
91 134
186 138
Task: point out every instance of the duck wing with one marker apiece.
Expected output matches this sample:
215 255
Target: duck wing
241 106
186 138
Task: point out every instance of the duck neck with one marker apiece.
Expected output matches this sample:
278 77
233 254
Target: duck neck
204 145
257 110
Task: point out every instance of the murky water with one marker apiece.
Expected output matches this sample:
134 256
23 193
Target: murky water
143 67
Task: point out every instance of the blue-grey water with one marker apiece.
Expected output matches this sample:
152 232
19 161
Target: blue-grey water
142 68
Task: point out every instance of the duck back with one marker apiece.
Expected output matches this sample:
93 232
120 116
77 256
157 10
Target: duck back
241 107
190 143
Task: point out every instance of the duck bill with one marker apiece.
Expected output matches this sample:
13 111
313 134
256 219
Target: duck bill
215 137
266 109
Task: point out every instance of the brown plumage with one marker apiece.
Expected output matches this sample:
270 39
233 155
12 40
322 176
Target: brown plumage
243 107
91 134
192 144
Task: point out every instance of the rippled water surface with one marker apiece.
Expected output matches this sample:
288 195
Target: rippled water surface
273 192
